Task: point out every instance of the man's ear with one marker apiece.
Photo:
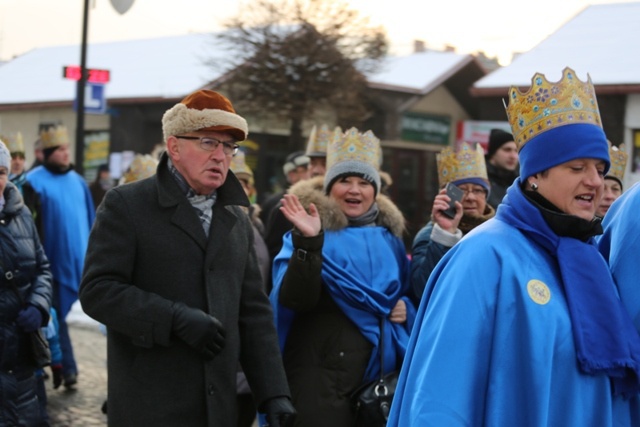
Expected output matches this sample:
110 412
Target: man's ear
173 147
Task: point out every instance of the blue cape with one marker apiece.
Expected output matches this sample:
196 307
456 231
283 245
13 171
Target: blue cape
493 344
620 246
67 217
366 271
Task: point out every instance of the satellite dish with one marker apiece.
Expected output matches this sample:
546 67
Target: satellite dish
121 6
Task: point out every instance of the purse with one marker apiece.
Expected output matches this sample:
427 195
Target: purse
372 401
40 349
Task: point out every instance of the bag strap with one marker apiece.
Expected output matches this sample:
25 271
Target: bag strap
381 347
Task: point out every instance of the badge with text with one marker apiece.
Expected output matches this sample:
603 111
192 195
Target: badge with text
538 292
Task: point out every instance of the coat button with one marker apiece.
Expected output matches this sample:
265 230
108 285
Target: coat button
210 390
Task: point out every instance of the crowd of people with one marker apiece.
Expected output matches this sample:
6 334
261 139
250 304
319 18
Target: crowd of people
515 305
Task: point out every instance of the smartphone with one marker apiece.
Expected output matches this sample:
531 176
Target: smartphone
455 194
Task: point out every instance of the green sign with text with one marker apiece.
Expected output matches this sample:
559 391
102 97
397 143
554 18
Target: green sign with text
426 128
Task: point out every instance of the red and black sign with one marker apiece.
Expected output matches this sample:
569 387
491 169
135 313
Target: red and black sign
72 72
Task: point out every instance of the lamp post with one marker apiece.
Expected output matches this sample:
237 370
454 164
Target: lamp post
80 92
121 6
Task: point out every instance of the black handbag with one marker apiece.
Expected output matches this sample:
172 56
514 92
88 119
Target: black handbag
372 401
40 352
40 349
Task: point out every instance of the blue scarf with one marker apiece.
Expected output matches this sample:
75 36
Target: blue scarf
365 270
604 336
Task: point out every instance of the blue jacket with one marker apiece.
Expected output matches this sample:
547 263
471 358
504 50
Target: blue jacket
425 254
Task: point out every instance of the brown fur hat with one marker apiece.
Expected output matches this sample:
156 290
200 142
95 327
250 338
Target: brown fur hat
204 110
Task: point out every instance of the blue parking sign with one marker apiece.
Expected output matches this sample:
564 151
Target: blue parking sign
94 99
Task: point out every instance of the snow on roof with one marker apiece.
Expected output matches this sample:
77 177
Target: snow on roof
602 41
167 67
419 72
171 67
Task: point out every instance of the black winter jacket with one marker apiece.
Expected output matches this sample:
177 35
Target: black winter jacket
23 264
23 259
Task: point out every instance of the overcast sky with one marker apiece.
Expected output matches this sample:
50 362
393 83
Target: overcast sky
497 27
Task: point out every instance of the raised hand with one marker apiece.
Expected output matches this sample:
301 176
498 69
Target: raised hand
308 223
441 203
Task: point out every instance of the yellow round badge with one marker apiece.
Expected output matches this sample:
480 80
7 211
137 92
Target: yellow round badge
538 292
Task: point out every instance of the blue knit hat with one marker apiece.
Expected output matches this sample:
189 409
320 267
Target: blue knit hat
562 144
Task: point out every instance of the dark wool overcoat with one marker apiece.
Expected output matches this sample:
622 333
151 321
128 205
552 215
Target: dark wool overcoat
147 250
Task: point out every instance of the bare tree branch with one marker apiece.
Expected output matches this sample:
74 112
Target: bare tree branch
289 57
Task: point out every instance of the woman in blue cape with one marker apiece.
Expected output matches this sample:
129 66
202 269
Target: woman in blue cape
341 270
520 323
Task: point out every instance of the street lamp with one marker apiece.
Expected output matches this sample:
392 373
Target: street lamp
121 6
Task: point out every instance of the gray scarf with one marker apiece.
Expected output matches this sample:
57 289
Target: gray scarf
366 219
202 204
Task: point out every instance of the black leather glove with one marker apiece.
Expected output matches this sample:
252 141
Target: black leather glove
280 412
56 373
199 330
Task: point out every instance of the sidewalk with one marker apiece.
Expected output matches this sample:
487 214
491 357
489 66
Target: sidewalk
80 407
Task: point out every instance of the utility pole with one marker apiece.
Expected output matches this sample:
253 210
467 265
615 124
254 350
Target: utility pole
80 92
121 6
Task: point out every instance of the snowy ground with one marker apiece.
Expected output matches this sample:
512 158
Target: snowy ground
77 316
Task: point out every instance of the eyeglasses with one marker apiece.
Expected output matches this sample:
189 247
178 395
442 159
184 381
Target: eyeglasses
478 192
210 144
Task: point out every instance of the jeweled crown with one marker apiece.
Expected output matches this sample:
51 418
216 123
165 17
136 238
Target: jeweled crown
354 146
240 168
141 167
546 105
619 158
54 136
466 162
14 142
319 139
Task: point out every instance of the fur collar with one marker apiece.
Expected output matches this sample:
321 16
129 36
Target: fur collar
311 191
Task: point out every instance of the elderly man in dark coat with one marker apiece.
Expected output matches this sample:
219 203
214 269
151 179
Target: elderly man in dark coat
171 271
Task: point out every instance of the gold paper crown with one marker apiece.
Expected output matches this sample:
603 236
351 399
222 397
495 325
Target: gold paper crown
356 153
354 146
142 166
549 105
618 161
54 137
239 167
14 142
467 162
319 140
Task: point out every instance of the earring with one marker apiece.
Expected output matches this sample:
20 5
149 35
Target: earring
534 186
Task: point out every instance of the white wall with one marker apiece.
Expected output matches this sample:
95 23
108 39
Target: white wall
631 123
28 121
